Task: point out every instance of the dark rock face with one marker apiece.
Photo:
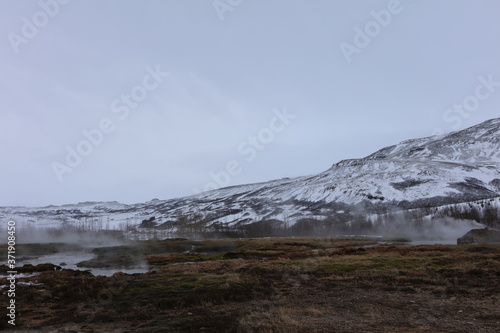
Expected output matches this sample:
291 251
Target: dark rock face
150 223
478 236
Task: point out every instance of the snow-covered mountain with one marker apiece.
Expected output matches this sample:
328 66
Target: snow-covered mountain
458 167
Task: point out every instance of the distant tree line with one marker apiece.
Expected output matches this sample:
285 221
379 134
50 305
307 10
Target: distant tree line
486 212
200 224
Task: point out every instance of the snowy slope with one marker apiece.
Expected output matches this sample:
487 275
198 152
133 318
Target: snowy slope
428 172
479 143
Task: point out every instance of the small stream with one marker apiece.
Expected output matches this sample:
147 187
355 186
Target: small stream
68 260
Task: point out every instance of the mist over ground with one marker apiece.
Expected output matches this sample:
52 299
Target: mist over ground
69 234
442 229
427 229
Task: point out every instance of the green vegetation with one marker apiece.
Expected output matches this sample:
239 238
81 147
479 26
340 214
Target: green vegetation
180 250
273 284
38 249
181 290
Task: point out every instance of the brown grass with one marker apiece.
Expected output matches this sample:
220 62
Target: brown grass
313 285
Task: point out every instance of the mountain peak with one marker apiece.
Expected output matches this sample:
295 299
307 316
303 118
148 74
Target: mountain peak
479 143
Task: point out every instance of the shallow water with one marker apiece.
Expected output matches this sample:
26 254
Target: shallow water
68 260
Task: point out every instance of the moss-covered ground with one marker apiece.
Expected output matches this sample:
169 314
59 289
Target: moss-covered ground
270 285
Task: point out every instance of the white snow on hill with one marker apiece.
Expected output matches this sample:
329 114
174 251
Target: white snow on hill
459 167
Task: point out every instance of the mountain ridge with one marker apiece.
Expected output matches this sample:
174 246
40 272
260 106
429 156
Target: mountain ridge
461 166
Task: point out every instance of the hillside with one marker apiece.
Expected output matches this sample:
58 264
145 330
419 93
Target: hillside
462 166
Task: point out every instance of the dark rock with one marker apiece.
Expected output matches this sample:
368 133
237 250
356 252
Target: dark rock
150 223
480 236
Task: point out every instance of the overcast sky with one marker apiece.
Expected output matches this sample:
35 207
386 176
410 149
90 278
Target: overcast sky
133 100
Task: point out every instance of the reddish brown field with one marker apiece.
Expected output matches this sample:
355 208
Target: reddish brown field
273 285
